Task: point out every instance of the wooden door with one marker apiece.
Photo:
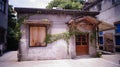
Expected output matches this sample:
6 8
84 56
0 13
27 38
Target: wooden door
37 35
82 44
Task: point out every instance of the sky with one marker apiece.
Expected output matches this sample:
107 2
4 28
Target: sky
29 3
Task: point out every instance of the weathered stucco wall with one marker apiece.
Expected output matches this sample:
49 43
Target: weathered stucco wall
110 13
55 50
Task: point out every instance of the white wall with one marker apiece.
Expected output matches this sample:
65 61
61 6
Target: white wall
110 13
55 50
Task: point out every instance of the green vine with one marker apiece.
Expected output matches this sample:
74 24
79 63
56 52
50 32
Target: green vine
54 37
66 36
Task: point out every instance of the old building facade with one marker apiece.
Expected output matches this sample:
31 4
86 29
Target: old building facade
41 22
109 12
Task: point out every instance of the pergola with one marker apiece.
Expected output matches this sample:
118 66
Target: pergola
91 23
102 26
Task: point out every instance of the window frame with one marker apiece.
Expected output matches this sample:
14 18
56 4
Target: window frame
101 33
100 36
116 40
79 39
116 33
41 25
99 41
117 27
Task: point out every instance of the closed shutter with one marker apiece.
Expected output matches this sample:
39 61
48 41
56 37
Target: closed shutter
37 36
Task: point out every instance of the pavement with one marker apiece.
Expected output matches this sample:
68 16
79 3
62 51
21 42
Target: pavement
10 60
112 58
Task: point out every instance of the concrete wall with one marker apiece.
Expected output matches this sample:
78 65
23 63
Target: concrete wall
55 50
110 13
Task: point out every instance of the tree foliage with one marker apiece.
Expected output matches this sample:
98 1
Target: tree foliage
66 4
13 31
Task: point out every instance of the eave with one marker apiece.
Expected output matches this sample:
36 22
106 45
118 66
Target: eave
54 11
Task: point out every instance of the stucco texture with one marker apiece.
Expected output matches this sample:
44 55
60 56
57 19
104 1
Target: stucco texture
55 50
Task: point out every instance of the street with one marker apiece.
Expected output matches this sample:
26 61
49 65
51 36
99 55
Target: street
10 60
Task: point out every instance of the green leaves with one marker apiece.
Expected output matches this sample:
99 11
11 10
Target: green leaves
66 36
55 3
51 38
14 25
65 4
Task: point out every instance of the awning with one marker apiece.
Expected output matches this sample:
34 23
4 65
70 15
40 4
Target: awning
104 26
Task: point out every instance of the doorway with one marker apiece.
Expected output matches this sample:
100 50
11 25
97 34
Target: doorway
82 42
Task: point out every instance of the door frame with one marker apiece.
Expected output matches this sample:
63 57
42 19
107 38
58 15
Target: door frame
87 45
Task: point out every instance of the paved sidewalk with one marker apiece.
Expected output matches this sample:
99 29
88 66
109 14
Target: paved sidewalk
10 60
113 58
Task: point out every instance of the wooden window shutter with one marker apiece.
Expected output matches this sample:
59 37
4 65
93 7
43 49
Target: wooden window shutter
37 36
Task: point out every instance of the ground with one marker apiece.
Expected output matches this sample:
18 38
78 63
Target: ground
10 60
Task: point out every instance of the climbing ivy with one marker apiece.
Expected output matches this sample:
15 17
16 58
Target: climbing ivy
54 37
66 36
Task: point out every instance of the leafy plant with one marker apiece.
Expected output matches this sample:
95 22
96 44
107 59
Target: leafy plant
51 38
13 31
99 54
66 4
66 36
